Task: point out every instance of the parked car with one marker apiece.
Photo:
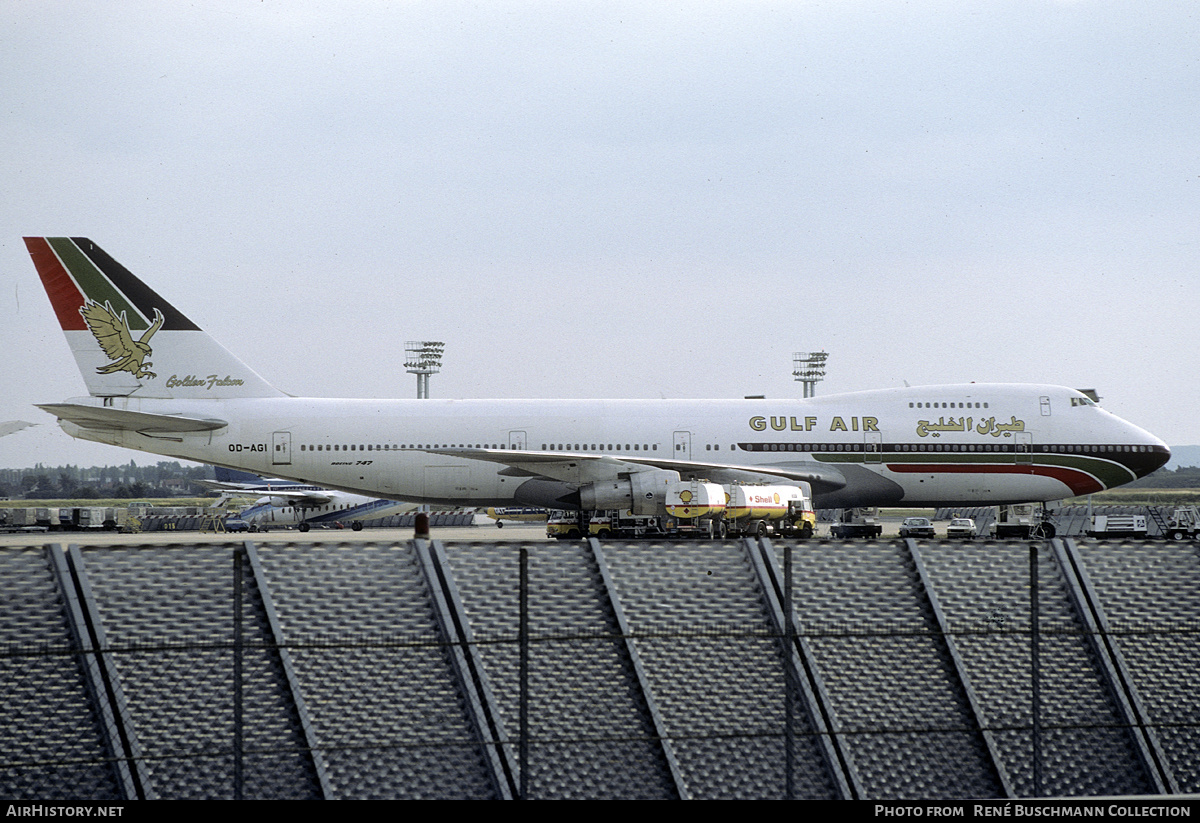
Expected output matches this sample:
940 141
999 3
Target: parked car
916 527
961 528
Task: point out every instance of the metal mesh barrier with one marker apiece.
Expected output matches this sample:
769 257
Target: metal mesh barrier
360 669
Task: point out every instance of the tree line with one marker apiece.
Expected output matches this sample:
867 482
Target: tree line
126 481
1185 477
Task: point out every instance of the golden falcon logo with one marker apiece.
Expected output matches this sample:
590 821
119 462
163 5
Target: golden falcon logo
112 333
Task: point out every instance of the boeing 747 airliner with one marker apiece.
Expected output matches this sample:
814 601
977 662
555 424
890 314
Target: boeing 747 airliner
160 384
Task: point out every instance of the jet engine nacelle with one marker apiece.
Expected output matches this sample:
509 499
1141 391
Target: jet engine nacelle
643 493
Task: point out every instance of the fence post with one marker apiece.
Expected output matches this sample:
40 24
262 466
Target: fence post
789 741
523 642
1035 669
238 571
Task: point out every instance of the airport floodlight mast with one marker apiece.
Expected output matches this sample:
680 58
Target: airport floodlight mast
809 368
423 358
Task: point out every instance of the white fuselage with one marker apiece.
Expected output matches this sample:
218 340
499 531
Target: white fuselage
970 443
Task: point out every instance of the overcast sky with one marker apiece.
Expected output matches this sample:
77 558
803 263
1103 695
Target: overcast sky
618 200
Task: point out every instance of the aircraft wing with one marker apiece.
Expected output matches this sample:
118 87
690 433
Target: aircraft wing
301 498
579 468
97 417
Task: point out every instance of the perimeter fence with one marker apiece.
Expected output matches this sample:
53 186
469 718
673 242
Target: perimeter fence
602 671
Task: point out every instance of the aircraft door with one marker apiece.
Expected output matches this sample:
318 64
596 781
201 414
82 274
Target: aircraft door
873 446
516 440
1024 448
683 445
281 449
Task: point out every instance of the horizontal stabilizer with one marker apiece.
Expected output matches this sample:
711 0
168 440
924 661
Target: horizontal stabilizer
13 426
96 417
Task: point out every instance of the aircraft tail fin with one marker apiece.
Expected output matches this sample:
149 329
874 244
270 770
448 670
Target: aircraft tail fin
127 340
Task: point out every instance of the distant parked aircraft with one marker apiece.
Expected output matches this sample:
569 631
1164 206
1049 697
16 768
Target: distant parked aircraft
284 503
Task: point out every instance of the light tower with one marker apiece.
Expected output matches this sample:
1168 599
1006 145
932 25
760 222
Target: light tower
423 358
809 368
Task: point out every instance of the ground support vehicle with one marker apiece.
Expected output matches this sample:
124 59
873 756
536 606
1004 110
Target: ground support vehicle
49 517
20 519
1022 520
516 514
697 509
1182 524
567 525
65 518
99 517
623 523
1117 525
857 523
762 510
917 527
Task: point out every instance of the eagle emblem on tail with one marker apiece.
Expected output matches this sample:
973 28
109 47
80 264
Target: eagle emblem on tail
112 333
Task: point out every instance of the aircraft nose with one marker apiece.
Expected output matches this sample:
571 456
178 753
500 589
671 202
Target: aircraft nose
1150 457
1159 456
